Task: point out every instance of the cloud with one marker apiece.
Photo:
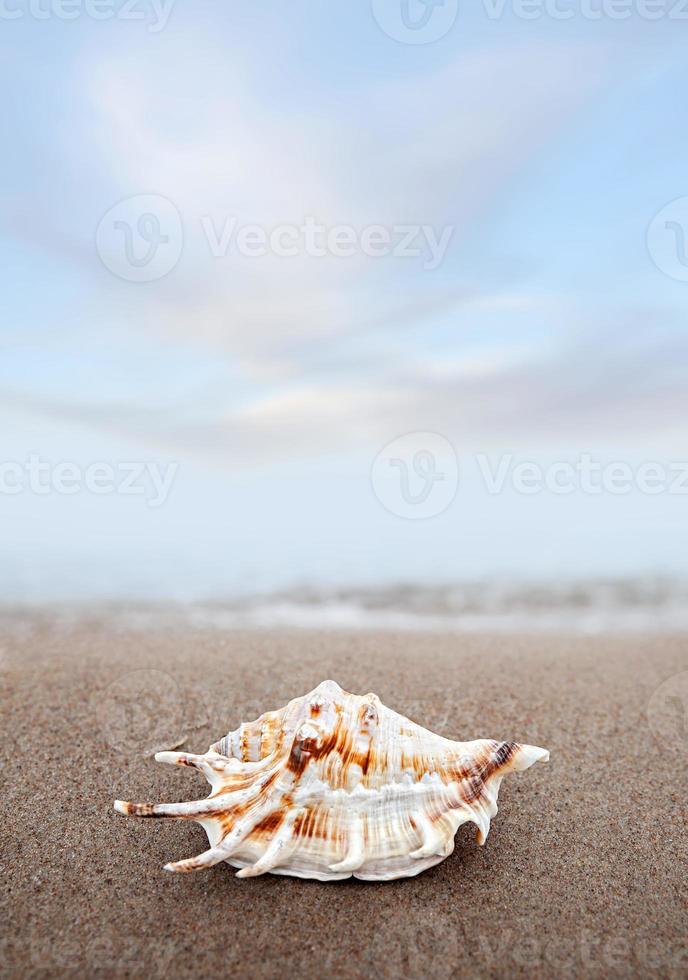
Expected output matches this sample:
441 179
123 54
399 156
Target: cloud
437 148
607 385
332 354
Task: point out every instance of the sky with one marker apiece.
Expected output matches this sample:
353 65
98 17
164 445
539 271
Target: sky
219 370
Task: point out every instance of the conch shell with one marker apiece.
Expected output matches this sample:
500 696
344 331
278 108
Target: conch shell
336 784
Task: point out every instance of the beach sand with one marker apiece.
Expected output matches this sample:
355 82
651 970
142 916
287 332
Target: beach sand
583 873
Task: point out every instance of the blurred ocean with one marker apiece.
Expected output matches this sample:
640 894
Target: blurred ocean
596 606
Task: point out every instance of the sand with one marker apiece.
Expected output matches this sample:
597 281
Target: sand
583 873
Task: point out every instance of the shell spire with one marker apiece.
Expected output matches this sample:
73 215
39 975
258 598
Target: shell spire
336 784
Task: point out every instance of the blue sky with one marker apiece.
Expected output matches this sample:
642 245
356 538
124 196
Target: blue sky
272 383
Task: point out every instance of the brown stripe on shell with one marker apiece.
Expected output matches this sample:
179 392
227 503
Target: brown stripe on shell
471 789
304 826
504 754
268 825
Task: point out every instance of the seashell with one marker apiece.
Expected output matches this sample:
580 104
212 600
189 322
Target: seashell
336 784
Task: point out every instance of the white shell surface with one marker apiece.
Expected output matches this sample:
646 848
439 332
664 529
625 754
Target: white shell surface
336 784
